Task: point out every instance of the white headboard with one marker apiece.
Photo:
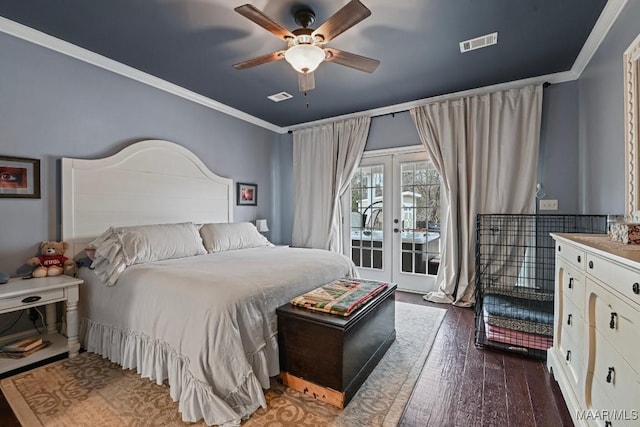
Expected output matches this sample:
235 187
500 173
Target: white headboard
149 182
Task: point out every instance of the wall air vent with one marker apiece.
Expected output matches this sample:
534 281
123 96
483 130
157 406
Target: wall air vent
280 96
478 42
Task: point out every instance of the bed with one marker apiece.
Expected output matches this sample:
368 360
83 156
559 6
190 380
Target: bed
206 322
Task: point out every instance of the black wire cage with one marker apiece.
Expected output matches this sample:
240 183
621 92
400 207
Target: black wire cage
515 269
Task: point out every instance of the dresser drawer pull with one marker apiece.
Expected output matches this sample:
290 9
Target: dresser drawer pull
34 298
571 283
612 322
568 355
559 248
579 258
610 374
636 288
591 264
569 318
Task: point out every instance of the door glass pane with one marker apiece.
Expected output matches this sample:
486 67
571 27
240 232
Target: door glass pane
367 217
420 213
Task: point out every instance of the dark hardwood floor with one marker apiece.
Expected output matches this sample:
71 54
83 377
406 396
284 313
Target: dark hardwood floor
461 385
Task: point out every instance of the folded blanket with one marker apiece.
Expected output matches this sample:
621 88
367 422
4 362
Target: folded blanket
341 297
517 338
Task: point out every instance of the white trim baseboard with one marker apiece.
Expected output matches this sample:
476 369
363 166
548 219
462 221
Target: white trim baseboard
604 23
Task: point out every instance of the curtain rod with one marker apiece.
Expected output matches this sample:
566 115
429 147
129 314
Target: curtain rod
393 113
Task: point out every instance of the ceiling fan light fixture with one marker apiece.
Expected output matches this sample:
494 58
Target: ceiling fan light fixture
304 58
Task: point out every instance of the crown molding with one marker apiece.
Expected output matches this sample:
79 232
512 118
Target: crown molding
604 23
37 37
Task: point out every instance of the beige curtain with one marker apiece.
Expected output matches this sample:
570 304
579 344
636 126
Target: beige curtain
325 158
485 148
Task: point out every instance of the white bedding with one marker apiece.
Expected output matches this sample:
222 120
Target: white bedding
206 323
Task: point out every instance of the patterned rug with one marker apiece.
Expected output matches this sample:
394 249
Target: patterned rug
91 391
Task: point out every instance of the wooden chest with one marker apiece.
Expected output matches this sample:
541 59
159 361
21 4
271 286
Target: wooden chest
329 356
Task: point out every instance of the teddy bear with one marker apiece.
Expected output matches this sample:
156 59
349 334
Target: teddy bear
51 261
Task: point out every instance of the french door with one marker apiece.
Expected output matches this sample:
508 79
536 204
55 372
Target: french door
392 220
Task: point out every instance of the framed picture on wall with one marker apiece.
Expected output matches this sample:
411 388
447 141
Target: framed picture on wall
19 177
247 194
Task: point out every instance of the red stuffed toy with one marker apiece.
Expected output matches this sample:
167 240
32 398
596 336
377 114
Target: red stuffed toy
51 261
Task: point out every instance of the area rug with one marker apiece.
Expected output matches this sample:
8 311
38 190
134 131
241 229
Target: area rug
91 391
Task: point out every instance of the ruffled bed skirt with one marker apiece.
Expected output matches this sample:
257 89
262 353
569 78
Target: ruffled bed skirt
158 361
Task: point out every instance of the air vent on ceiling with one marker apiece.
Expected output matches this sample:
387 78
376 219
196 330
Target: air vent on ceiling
478 42
280 96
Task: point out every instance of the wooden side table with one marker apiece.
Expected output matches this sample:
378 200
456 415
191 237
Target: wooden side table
19 294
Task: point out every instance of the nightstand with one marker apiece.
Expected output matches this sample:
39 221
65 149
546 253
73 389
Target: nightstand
19 294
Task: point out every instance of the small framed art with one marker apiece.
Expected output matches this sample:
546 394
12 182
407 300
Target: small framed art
247 194
19 177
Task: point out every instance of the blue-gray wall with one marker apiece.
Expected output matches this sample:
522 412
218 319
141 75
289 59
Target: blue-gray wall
62 107
286 186
391 131
601 123
558 162
53 106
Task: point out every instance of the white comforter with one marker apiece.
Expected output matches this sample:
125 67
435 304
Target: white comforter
206 323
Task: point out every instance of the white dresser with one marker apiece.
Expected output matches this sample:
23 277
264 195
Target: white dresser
595 356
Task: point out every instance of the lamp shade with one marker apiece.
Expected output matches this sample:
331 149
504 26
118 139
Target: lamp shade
261 225
304 58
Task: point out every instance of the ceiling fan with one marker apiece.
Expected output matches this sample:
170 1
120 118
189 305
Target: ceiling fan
305 46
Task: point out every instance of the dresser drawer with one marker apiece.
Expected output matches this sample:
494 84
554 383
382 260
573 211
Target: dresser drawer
597 402
572 355
619 277
573 326
571 254
616 321
615 376
572 286
31 300
601 409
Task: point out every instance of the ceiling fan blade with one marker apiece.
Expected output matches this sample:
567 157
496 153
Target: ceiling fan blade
306 82
342 20
264 59
255 15
352 60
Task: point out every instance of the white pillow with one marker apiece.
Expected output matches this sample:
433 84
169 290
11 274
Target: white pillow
218 237
118 248
148 243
